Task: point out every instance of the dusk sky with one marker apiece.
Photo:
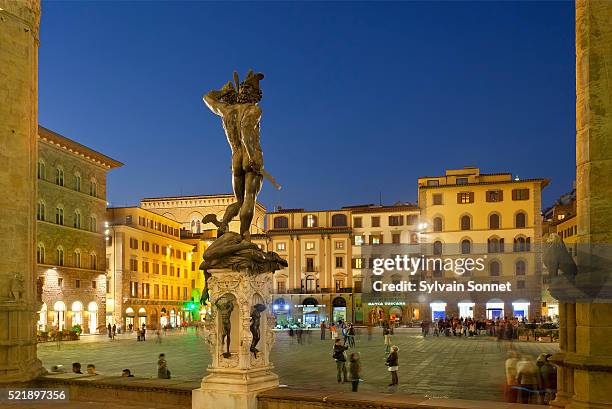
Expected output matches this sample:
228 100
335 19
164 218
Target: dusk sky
359 99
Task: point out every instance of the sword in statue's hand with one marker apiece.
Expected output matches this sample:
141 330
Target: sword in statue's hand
271 179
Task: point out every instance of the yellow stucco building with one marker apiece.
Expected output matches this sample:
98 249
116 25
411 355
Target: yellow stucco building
317 285
151 277
494 217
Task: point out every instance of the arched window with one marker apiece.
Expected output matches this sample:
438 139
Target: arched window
42 169
93 187
494 221
77 181
522 244
310 283
494 268
466 247
59 215
40 253
281 222
520 220
77 219
77 258
309 220
77 313
40 210
520 268
59 176
437 224
339 220
437 248
495 245
93 223
60 256
93 261
466 222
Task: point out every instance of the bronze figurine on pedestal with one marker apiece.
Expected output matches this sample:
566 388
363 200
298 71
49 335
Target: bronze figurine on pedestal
240 115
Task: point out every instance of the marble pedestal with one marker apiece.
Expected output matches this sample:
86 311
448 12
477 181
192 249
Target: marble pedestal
233 382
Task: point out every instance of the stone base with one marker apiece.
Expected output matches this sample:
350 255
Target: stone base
232 389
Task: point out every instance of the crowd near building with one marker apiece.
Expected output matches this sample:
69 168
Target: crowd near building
140 265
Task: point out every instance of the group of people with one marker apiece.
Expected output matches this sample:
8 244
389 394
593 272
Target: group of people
506 329
341 329
162 369
354 360
528 381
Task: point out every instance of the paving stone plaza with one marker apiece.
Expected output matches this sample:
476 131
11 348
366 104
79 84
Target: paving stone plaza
469 368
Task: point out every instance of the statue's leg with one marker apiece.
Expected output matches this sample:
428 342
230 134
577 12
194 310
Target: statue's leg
238 184
253 182
228 340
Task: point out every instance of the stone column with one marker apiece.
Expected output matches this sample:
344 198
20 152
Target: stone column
586 301
19 26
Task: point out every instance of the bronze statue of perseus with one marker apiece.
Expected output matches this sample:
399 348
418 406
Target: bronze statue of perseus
241 116
236 104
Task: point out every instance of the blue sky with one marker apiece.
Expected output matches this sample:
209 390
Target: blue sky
360 99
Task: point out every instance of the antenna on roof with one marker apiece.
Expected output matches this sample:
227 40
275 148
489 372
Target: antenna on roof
380 198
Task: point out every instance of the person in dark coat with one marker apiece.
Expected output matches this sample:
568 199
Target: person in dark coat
340 359
393 364
355 370
162 367
547 373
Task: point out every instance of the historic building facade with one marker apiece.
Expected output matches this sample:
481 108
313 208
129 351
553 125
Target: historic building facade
151 277
189 211
70 215
383 232
492 217
318 284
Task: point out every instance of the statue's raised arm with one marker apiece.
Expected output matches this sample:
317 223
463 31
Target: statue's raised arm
218 100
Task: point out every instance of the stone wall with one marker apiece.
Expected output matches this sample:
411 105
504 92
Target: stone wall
287 398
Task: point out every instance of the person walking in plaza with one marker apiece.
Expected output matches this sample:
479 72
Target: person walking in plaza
351 336
143 332
323 329
387 336
158 338
511 385
162 367
393 364
340 358
110 331
355 370
58 338
527 379
334 331
547 373
114 330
